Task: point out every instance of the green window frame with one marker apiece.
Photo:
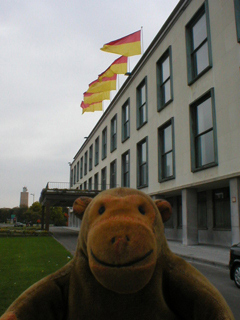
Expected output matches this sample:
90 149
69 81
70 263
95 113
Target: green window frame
179 212
221 209
126 120
96 181
166 151
113 143
96 151
164 80
90 184
142 163
113 174
81 167
126 169
77 171
90 157
198 44
71 178
85 162
104 178
237 17
74 175
142 107
203 132
202 210
104 143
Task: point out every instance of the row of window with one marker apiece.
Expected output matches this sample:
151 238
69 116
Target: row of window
220 206
203 141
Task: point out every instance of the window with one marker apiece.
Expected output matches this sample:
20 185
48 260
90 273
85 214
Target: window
169 223
237 16
90 157
104 143
126 169
81 168
74 176
85 162
142 163
114 133
126 120
104 178
164 79
202 209
97 151
85 185
221 205
113 174
71 178
198 44
96 181
80 186
166 151
203 132
77 171
90 184
179 212
142 103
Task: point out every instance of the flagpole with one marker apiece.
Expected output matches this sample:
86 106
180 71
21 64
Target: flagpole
142 39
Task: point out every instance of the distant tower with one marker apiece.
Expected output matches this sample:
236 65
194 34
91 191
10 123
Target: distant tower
24 197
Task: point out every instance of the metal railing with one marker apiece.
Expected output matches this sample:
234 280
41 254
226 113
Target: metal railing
58 185
79 186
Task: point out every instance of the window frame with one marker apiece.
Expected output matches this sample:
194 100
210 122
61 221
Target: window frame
78 171
90 166
141 185
191 66
237 18
96 151
225 199
125 123
104 170
127 172
74 174
160 83
104 143
113 174
96 181
141 123
161 154
85 162
81 167
113 144
193 135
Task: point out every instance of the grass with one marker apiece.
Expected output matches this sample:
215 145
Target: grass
24 261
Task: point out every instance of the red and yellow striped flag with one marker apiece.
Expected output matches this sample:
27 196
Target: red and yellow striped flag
97 106
107 84
119 66
126 46
89 98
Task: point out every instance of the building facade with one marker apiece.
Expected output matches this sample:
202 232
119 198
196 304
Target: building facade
24 196
173 128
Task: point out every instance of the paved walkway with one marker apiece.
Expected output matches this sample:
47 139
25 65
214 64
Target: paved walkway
213 255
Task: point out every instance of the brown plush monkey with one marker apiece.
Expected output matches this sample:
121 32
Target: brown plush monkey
122 269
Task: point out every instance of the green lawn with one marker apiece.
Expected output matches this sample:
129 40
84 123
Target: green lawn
23 261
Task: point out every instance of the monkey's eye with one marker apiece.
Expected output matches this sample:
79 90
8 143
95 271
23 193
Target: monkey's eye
101 210
141 210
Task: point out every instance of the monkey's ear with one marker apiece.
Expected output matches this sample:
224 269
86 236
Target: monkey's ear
164 208
80 205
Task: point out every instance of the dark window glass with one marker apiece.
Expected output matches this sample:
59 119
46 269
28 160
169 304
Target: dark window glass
113 174
202 210
222 213
126 169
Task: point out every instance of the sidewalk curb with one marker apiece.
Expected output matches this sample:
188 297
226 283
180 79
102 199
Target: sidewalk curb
204 261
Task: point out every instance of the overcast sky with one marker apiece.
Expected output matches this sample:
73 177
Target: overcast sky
49 53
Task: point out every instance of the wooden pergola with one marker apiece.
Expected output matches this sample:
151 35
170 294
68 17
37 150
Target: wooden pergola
60 198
